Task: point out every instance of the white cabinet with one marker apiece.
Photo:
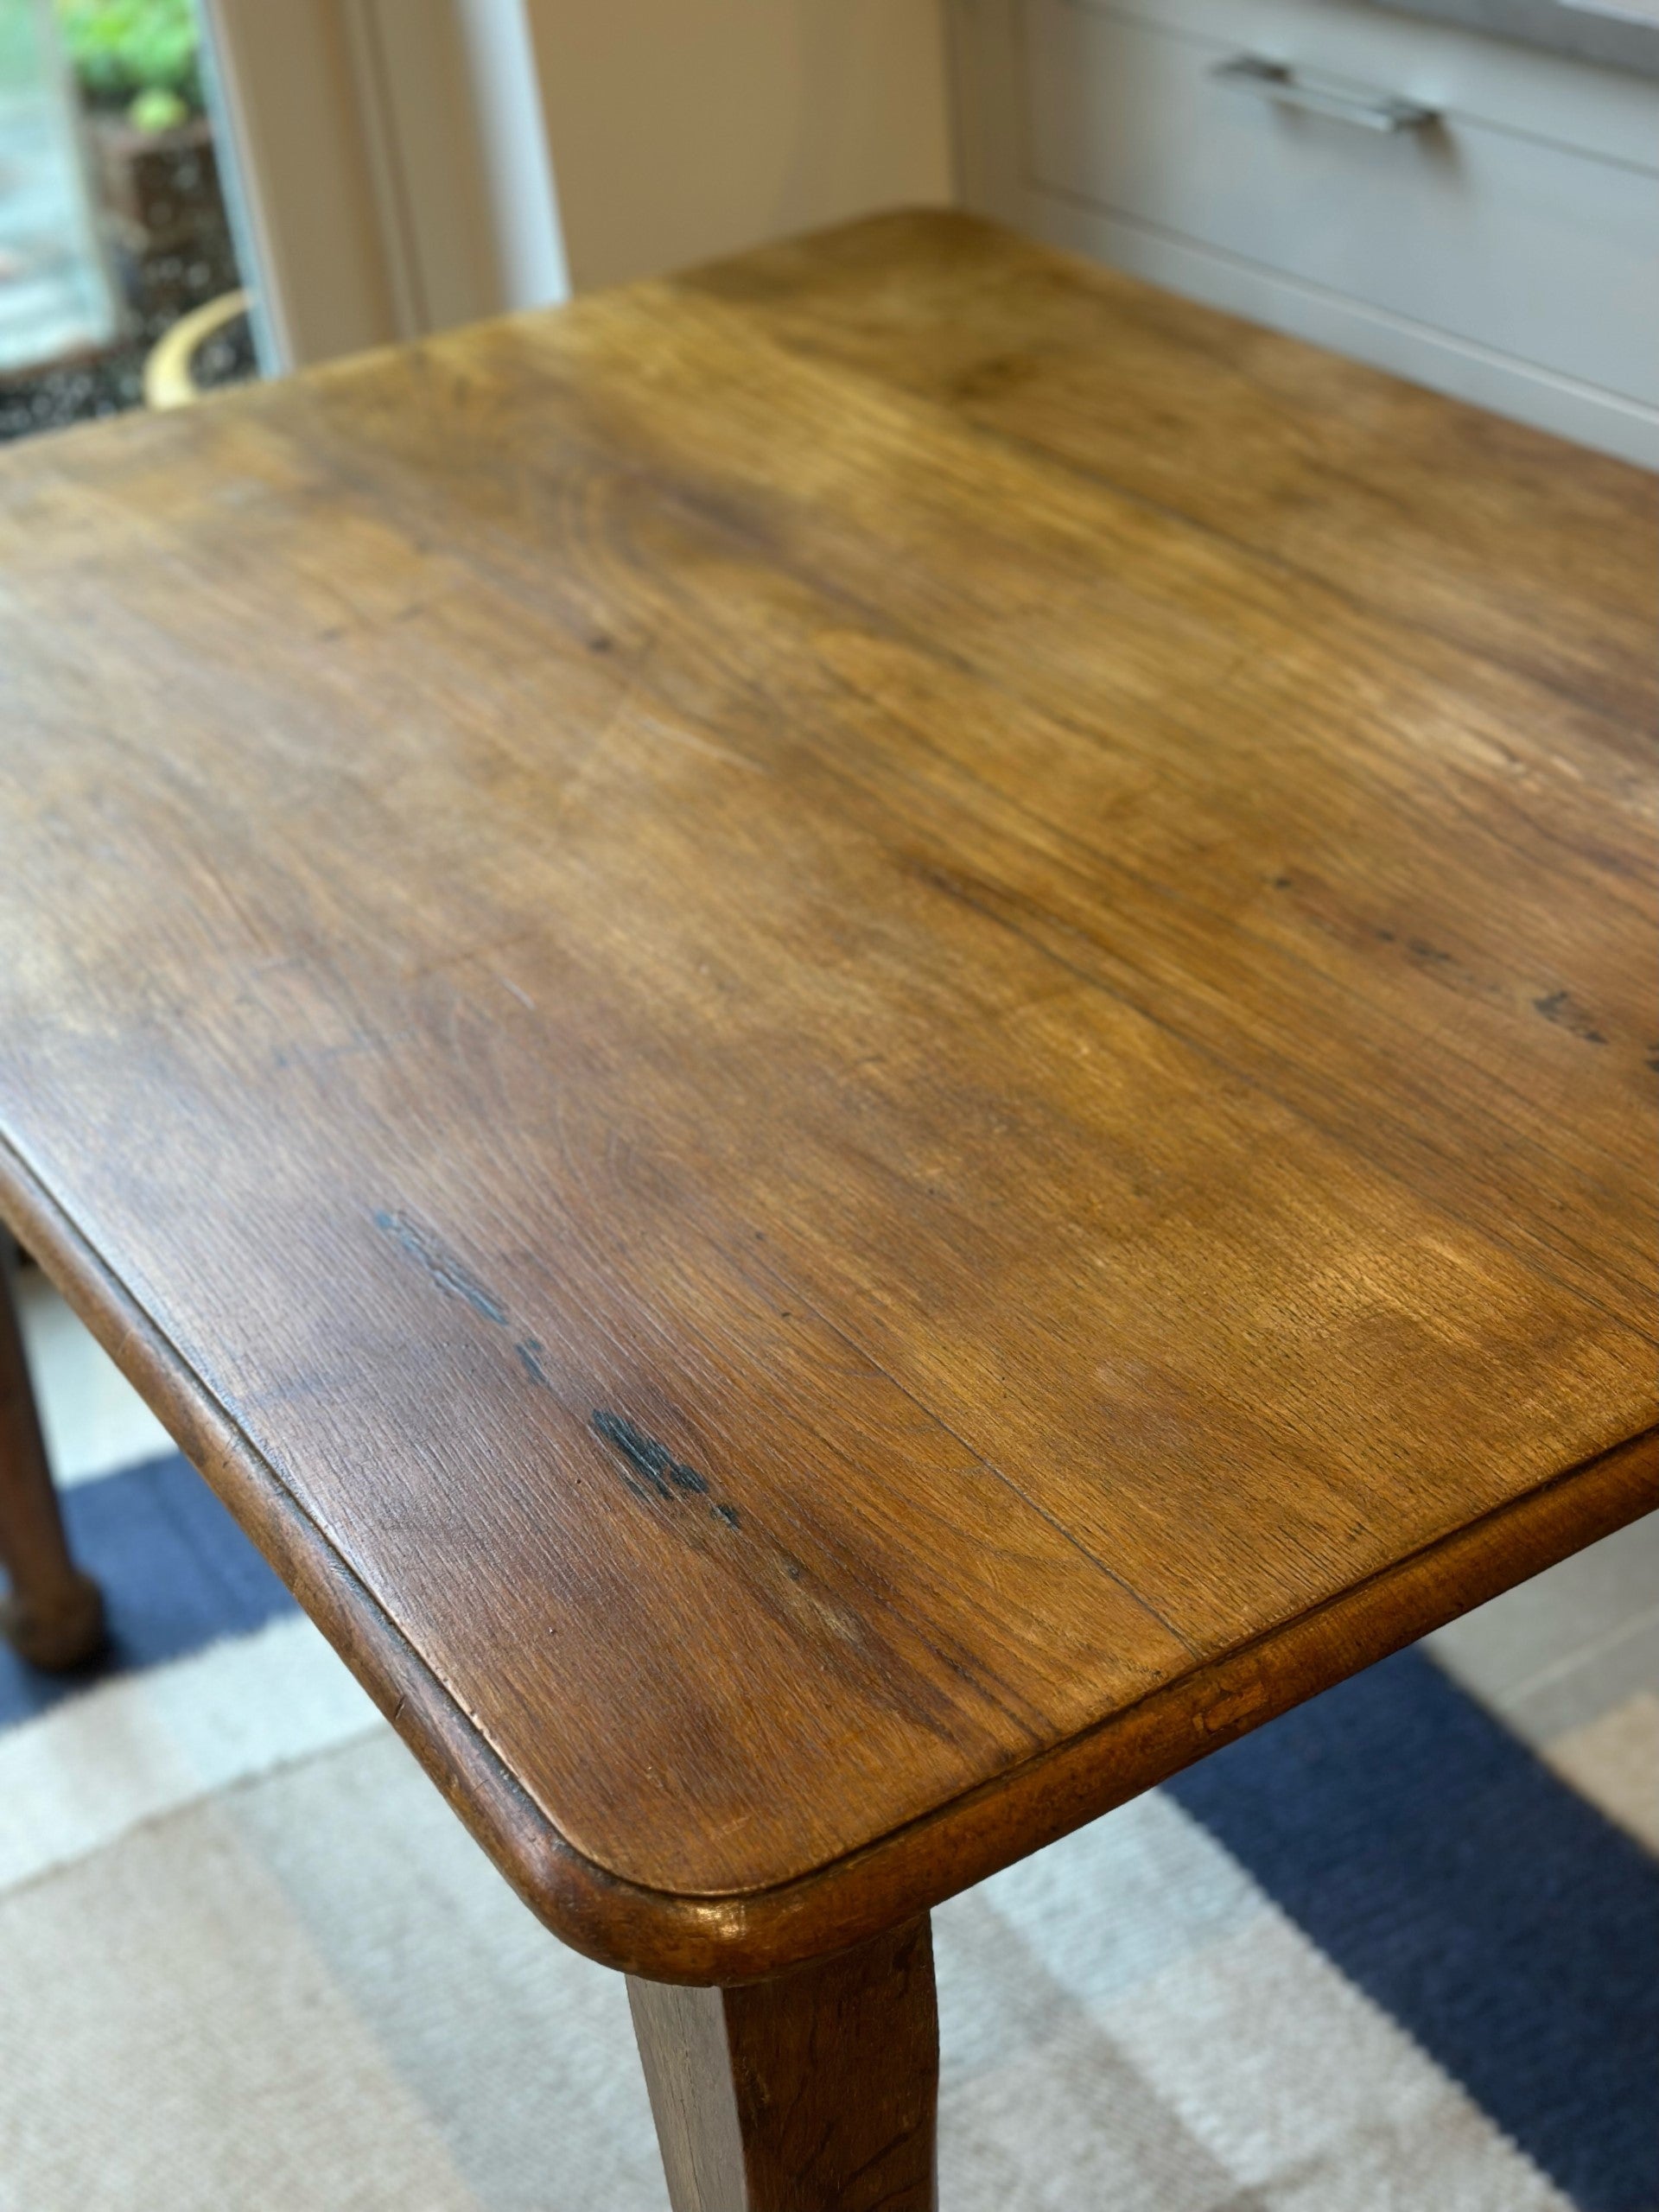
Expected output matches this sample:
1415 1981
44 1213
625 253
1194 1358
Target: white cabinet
1501 244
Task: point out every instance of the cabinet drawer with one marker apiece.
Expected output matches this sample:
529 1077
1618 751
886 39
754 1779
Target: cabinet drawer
1481 79
1531 246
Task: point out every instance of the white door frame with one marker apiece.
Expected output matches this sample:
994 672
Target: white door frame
388 165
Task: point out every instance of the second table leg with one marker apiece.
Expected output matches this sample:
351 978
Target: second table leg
815 2092
52 1615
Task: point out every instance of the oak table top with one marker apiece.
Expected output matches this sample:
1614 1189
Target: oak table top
865 1040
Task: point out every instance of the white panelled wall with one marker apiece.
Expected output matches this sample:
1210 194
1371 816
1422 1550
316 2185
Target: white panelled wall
682 129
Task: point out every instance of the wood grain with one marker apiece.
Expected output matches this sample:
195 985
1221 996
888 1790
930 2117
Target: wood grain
815 2092
846 1129
1453 524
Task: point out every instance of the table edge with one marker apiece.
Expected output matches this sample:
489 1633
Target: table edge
669 1936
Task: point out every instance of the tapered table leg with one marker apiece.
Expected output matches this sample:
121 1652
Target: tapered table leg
813 2093
52 1615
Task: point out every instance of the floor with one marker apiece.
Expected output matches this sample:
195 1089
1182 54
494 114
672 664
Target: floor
1569 1661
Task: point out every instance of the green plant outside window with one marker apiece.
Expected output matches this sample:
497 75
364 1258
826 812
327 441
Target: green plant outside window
142 56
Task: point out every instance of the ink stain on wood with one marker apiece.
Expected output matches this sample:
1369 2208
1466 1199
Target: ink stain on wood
651 1470
659 1471
451 1274
1559 1008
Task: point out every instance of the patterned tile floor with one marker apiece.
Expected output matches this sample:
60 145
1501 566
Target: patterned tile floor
266 1968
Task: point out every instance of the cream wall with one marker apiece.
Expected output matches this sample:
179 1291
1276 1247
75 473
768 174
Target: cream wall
682 129
404 165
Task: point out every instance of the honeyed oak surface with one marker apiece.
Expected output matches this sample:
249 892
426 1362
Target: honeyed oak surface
865 1040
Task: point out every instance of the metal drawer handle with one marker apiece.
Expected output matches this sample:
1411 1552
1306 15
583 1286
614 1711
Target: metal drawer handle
1276 81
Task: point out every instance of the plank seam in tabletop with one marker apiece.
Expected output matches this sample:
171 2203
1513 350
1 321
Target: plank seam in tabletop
1044 460
1034 454
1031 450
700 1939
1001 1475
806 335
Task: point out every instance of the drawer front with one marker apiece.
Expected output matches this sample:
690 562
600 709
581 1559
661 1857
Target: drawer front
1601 111
1535 248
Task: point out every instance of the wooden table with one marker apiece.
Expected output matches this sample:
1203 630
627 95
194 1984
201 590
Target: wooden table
865 1042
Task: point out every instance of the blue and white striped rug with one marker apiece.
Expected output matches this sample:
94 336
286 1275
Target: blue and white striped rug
1378 1958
